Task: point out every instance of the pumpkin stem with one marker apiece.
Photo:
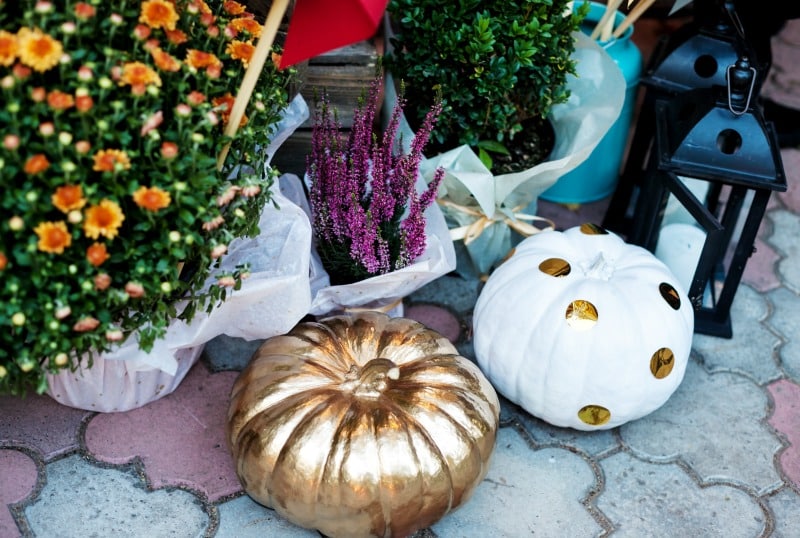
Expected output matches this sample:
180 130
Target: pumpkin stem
372 379
598 268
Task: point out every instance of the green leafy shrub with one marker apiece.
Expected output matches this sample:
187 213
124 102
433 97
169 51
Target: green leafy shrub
497 64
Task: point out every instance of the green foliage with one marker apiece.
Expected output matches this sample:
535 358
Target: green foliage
495 63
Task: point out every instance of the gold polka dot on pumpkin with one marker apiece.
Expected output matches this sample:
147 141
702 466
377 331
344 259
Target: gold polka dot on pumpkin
661 363
670 295
555 267
581 315
594 415
592 229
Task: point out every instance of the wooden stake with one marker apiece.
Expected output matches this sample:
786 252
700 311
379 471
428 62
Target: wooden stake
260 55
606 22
633 16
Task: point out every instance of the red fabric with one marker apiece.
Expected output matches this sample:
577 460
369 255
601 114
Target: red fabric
317 26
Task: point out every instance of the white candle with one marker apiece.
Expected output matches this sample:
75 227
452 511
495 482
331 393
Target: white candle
679 247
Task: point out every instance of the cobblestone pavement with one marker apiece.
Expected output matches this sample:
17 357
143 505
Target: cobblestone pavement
720 458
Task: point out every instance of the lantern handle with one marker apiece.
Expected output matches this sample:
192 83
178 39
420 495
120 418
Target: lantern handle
752 77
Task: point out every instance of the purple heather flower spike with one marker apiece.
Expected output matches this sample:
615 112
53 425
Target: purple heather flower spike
360 189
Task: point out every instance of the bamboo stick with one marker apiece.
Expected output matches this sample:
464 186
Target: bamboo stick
633 16
606 22
260 55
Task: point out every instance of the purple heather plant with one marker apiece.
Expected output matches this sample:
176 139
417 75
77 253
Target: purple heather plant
367 216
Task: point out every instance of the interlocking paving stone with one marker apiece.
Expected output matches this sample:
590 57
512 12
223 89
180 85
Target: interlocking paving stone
180 439
713 423
593 443
786 419
437 318
229 353
652 499
458 293
244 518
786 322
786 507
784 238
81 500
791 165
18 476
751 351
526 492
759 273
40 422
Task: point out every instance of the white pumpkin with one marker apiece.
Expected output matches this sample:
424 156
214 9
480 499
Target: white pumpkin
582 329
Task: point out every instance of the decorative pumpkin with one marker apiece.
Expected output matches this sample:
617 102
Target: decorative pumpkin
582 329
361 425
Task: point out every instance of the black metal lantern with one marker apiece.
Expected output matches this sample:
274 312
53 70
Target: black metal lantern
716 138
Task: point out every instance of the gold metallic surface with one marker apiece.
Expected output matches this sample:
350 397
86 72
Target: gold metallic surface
671 295
594 415
662 362
555 267
581 315
361 425
592 229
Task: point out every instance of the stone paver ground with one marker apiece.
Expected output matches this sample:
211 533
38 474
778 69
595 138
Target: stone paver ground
720 458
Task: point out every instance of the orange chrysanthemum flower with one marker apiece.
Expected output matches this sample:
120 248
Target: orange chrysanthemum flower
103 219
158 14
36 164
164 60
97 254
3 261
177 37
138 75
251 26
68 197
38 50
108 160
53 237
225 104
200 59
84 103
151 198
8 48
59 100
241 50
84 10
233 8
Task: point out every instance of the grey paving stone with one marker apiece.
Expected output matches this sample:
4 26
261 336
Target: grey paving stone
84 500
751 350
593 443
649 499
526 492
454 291
785 321
786 230
786 507
244 518
713 423
229 353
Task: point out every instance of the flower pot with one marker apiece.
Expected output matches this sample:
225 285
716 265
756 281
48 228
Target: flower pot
596 178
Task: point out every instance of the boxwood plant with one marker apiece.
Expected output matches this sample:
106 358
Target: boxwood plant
500 67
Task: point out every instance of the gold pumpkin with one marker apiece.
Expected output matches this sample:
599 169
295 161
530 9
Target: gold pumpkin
361 425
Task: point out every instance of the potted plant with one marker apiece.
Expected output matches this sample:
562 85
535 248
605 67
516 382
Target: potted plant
116 216
369 219
522 102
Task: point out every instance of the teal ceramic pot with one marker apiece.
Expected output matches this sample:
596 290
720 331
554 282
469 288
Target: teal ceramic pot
596 178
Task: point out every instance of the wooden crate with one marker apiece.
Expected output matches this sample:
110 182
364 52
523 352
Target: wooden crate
343 74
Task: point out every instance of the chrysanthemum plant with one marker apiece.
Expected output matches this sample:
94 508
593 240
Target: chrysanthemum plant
368 217
114 211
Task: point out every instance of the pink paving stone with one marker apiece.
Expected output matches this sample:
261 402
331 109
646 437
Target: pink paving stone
40 422
180 438
791 165
18 475
436 318
786 420
759 272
